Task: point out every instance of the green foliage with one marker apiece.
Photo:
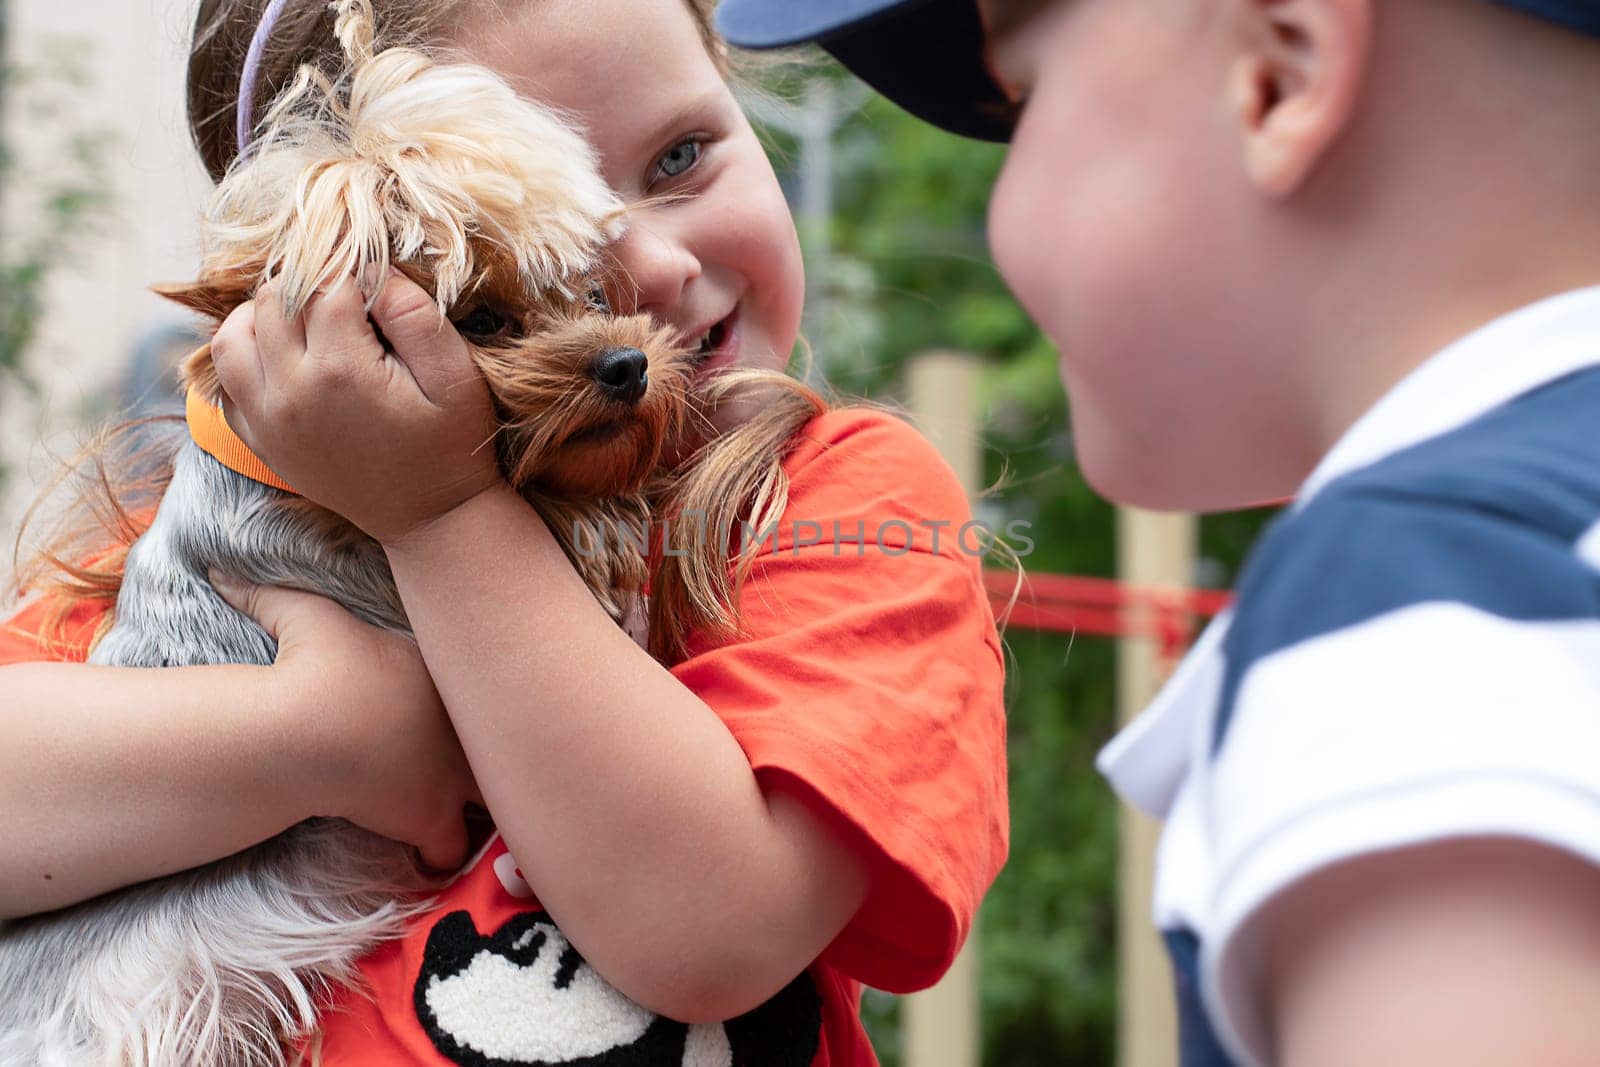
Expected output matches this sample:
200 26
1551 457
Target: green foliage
909 270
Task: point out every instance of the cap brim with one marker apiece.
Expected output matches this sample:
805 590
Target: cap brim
1583 15
925 55
765 24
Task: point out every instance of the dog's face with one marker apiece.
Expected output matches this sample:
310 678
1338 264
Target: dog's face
496 207
587 400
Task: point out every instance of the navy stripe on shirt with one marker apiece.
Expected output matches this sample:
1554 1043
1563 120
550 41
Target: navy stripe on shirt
1486 516
1197 1042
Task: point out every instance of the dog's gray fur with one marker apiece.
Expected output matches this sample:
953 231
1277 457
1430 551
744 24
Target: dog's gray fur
218 964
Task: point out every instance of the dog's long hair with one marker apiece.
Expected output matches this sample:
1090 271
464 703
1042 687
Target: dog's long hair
495 206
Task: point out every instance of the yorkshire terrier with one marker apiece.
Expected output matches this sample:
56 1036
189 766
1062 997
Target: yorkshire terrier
496 206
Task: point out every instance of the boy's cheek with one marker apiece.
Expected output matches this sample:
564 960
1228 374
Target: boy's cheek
1026 251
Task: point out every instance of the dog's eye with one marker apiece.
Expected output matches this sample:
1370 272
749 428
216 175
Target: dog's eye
597 301
482 322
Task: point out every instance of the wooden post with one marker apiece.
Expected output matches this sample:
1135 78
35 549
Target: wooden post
1152 550
939 1027
942 393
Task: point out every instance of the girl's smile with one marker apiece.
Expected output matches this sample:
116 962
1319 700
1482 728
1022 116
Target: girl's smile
718 346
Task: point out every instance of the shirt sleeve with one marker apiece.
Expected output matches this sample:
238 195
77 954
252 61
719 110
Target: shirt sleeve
1405 670
870 677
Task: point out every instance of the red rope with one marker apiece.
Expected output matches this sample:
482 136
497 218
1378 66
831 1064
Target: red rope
1104 607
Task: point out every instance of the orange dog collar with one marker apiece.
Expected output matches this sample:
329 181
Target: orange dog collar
216 438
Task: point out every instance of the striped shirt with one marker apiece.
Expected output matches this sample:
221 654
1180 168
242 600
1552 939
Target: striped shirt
1414 654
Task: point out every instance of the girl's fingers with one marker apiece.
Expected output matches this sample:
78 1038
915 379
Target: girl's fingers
238 594
237 423
427 344
337 331
235 354
447 850
278 611
282 339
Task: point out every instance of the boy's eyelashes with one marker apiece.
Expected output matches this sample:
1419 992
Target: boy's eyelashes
1007 111
1016 95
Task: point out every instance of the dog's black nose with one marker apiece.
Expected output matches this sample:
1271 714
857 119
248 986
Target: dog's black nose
621 373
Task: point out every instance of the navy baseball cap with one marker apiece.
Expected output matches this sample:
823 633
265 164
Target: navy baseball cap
925 55
1580 15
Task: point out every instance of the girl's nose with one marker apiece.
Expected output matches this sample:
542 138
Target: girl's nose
656 266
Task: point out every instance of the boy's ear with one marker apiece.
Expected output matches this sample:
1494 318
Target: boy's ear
214 297
1294 83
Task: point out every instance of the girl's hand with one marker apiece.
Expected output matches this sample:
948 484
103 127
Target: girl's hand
388 444
383 752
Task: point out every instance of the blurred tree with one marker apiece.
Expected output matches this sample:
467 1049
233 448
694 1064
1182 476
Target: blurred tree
909 269
52 181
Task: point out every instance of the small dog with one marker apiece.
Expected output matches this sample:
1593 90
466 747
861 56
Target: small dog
496 206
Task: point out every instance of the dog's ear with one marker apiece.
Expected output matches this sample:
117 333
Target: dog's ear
212 297
199 372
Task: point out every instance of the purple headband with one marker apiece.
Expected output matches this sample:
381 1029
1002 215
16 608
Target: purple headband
243 120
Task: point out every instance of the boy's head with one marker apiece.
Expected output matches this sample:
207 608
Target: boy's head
1243 220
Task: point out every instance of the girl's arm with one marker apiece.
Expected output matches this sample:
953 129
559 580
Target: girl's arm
628 804
625 799
1477 951
110 776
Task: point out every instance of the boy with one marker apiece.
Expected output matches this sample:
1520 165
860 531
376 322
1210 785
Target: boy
1350 246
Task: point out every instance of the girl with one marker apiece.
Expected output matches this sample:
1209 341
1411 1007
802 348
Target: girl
814 804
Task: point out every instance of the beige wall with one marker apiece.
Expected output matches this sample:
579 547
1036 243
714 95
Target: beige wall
98 309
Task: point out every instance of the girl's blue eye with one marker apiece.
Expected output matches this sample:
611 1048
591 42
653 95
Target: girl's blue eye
679 158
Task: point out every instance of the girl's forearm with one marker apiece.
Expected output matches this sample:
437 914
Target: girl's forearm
110 776
631 809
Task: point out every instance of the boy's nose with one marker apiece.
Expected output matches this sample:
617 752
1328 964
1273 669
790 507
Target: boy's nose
621 373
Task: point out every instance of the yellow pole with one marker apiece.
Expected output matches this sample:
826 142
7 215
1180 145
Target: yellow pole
1152 550
939 1026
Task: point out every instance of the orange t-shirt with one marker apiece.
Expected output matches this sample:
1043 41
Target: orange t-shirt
22 637
870 675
